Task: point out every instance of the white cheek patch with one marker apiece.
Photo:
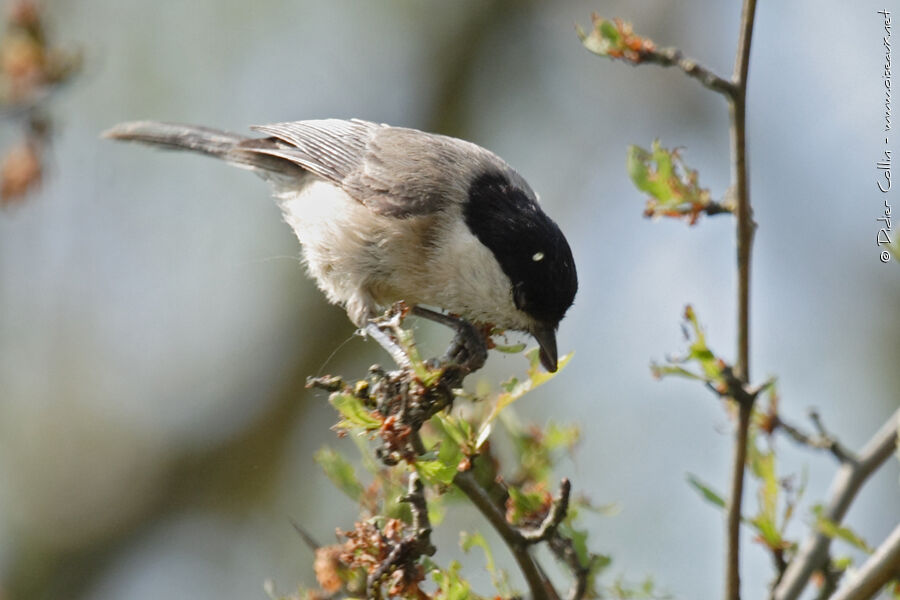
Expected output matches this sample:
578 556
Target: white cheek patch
538 257
474 284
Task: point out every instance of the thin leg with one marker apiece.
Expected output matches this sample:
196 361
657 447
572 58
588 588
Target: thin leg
468 348
437 317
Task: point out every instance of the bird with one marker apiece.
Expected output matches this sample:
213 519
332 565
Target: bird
386 214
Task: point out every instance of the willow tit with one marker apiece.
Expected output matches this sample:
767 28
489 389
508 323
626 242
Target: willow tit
387 213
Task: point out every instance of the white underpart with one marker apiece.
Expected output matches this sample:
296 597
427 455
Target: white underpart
365 261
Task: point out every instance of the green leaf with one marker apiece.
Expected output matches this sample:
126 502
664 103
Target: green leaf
436 471
605 39
578 538
467 541
660 371
354 412
559 436
637 164
340 472
440 467
711 367
525 504
516 389
599 562
841 563
510 384
456 431
594 41
763 467
838 531
510 349
768 530
673 187
451 586
706 492
471 540
608 31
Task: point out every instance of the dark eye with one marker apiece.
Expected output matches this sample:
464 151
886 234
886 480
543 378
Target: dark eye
519 295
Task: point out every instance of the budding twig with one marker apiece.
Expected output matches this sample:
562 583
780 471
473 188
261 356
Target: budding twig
539 585
404 400
411 548
673 57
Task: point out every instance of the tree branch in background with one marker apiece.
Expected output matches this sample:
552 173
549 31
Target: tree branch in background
745 229
676 193
458 58
616 39
876 572
822 440
853 473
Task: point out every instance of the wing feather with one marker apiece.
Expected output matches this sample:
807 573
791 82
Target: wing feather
393 171
330 148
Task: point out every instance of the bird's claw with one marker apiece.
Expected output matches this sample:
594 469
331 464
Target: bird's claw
468 348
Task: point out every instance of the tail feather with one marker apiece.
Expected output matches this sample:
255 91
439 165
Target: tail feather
203 140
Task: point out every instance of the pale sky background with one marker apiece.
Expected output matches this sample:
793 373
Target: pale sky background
156 327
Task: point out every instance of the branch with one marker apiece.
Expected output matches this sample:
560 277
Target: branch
540 586
741 181
882 566
564 550
412 547
733 516
745 229
851 476
616 39
673 57
554 517
822 441
405 402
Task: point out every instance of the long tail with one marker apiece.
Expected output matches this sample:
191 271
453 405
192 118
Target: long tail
231 147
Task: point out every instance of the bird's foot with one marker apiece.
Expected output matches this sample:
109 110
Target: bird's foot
468 349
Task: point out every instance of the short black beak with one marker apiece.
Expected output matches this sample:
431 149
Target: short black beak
546 339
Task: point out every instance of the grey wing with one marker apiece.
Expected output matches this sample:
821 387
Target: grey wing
329 148
394 171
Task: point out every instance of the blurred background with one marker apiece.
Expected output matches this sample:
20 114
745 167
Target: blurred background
156 327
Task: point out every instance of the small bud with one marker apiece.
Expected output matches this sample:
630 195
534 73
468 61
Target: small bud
20 172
